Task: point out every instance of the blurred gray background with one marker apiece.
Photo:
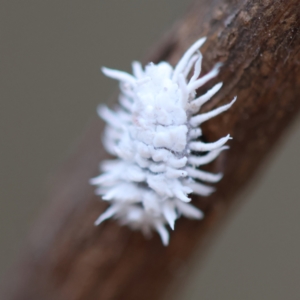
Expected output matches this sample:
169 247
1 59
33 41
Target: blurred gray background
51 52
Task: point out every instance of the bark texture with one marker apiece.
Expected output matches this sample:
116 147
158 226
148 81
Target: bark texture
68 258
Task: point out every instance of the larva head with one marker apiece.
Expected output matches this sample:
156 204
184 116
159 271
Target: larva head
157 98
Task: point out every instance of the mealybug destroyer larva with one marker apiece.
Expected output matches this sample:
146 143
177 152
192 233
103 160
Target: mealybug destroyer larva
154 134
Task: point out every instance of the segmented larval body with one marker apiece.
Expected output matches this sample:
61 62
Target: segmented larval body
154 134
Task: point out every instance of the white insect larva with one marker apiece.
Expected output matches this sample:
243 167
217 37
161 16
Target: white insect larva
152 134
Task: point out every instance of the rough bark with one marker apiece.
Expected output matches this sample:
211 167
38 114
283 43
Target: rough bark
68 258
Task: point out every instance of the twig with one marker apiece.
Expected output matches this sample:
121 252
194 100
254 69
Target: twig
68 258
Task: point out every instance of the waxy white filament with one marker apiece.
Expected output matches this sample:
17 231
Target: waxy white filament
152 135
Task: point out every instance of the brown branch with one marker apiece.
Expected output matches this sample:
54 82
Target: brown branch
68 258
